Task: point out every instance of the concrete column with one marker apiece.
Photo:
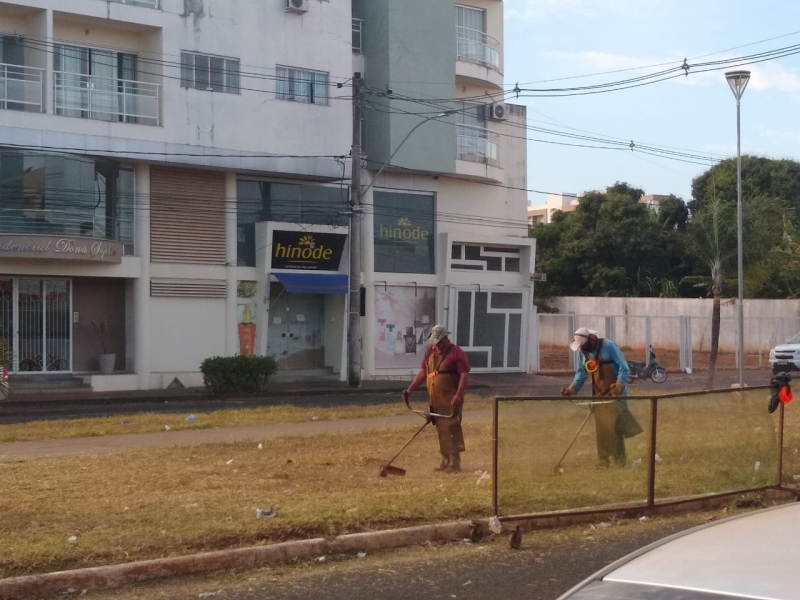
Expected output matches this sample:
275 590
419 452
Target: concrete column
368 277
231 318
141 302
41 26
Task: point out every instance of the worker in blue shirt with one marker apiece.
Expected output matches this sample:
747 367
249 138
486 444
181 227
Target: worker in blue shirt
603 361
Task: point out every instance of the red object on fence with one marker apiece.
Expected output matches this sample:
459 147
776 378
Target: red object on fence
3 374
786 395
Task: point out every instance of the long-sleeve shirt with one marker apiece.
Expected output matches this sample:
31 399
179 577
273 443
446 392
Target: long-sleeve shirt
609 352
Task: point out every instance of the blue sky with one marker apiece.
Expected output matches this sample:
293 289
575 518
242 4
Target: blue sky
547 39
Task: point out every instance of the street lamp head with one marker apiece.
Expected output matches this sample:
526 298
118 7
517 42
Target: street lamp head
738 82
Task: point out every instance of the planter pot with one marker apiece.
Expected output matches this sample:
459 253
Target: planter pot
106 362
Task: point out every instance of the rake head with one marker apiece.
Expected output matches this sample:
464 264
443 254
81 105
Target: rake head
390 470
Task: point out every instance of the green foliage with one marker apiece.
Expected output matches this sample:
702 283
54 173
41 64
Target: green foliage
231 374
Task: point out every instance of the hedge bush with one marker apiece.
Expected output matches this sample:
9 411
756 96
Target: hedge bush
227 374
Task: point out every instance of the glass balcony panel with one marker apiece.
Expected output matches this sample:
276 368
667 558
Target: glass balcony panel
21 88
106 99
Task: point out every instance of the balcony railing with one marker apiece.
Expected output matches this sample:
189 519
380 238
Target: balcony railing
146 3
358 36
106 99
479 145
21 88
477 47
69 223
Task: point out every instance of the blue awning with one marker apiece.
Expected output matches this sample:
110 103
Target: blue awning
314 283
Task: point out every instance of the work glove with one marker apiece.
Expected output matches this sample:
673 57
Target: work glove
567 391
617 388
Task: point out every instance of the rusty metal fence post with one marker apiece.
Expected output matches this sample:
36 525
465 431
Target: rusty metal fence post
651 457
495 444
779 475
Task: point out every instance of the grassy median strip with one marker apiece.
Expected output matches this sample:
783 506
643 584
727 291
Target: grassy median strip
152 422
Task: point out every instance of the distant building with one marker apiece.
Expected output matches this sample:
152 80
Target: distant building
541 215
653 201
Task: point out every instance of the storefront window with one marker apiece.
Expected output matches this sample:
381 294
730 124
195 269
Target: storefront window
404 233
66 196
259 201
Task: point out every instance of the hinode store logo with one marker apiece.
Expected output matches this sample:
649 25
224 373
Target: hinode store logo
300 250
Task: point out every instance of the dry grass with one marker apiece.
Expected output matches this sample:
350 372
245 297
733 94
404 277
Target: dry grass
178 500
152 422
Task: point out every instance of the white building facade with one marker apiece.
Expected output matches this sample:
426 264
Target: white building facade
174 186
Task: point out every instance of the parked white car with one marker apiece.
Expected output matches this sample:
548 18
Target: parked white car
745 557
786 357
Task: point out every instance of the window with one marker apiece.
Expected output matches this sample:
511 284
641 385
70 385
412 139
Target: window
210 73
296 85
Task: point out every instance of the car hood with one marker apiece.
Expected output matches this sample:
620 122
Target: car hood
787 348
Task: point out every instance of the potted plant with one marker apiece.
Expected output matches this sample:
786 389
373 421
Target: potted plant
106 360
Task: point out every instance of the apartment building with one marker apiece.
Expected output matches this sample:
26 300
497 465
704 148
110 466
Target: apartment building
174 186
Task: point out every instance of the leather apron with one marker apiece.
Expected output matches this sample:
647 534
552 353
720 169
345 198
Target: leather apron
441 391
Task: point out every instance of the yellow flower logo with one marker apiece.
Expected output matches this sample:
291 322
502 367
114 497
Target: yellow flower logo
307 240
404 222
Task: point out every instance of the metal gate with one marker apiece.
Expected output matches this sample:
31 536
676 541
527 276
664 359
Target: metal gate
36 324
491 327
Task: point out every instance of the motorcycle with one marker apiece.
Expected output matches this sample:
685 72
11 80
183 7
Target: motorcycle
652 370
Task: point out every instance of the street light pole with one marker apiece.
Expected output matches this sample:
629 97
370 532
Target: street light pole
737 80
354 354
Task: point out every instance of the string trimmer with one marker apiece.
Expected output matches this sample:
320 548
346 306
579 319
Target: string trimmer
430 417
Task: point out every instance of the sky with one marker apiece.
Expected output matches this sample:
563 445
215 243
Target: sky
549 39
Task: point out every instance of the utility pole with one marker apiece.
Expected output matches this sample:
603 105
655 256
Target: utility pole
354 316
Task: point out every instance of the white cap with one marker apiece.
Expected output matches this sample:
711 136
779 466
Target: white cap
437 334
580 337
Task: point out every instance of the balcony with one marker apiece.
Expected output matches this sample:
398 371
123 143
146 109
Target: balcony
106 99
478 145
477 47
21 88
358 36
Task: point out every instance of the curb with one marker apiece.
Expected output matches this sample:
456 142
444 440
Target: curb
112 576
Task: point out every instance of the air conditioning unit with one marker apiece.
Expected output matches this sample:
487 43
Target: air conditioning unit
496 112
297 6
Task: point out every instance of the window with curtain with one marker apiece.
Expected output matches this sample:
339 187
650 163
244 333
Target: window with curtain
111 77
210 73
298 85
471 18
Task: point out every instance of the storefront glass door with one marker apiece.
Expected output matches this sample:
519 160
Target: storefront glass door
296 329
36 323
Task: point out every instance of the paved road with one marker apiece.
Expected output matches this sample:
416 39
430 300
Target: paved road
543 569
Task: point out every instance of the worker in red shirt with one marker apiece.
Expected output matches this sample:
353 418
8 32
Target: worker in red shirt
445 368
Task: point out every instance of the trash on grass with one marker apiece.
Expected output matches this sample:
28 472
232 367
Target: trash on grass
362 555
271 513
73 539
637 463
659 460
758 465
483 476
644 519
261 446
322 559
230 462
167 427
495 525
190 418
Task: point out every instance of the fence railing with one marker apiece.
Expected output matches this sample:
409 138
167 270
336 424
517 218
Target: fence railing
477 144
106 99
358 36
21 88
146 3
690 446
477 47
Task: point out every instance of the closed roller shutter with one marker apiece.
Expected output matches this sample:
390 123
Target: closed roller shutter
188 288
187 217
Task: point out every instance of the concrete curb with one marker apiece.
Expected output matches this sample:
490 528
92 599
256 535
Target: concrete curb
112 576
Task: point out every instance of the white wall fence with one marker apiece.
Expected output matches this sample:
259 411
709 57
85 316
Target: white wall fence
679 330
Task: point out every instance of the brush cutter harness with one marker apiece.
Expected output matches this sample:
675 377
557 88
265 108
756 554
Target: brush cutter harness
441 391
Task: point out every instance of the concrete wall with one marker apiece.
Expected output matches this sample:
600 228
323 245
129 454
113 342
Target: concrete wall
411 51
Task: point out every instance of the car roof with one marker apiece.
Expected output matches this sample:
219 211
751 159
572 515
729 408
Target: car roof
748 556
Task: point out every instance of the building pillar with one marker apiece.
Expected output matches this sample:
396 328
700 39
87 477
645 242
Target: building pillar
231 316
141 303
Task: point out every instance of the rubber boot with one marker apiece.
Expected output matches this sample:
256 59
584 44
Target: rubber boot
444 464
455 463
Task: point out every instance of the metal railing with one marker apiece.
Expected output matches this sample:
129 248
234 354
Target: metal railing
477 47
69 223
477 144
106 98
145 3
676 449
358 36
21 88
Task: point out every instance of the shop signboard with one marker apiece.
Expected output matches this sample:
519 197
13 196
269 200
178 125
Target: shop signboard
307 251
60 248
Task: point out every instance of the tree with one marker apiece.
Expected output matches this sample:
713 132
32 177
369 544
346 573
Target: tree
610 245
712 237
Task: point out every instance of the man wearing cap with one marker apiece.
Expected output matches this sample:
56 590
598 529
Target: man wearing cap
604 362
445 368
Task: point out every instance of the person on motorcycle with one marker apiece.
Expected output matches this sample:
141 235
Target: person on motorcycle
604 362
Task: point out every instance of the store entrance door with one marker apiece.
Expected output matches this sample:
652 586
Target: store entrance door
36 324
296 329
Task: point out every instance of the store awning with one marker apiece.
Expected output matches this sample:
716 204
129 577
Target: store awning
314 283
